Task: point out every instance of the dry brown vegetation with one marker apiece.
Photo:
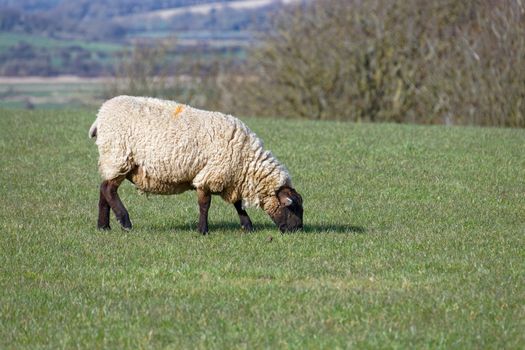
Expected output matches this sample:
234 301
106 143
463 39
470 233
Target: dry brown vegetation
443 62
451 62
147 70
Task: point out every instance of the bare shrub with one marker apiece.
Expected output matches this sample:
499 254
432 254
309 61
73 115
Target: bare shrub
149 69
454 62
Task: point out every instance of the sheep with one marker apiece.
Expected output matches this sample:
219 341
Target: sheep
164 147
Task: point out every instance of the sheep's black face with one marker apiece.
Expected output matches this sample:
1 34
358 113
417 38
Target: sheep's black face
289 216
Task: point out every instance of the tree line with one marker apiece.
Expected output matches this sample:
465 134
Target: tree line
442 62
446 62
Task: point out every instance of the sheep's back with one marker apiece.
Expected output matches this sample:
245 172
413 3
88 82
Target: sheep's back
171 144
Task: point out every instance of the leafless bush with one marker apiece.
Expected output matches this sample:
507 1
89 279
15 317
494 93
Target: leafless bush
148 70
454 62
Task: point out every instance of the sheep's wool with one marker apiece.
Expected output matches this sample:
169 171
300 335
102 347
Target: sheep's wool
165 147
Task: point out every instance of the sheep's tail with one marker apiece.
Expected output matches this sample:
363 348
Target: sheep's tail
93 130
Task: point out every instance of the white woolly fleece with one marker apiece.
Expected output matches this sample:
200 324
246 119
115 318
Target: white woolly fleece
166 148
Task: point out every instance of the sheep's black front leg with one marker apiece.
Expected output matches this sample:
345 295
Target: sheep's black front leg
246 223
103 212
109 190
204 199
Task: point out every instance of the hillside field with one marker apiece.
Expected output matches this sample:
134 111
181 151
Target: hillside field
8 40
52 92
414 238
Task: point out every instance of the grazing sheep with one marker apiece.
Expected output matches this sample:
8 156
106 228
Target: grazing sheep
167 148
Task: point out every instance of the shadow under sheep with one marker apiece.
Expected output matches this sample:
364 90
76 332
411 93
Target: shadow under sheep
234 226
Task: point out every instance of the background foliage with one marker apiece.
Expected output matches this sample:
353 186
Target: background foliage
413 61
398 61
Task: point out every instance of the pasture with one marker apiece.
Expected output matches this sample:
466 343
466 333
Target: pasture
8 40
414 238
51 92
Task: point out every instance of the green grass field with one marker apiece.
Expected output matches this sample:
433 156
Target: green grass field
51 94
8 39
414 238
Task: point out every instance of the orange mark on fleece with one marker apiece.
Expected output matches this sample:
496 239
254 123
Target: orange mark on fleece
178 110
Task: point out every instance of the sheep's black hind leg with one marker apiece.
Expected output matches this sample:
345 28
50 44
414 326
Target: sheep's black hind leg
109 189
103 212
246 223
204 199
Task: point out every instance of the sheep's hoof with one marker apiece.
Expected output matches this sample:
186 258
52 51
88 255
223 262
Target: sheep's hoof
202 230
125 223
246 224
103 227
247 228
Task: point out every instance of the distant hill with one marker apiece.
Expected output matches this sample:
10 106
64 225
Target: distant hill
92 8
30 5
92 19
67 27
212 6
117 19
